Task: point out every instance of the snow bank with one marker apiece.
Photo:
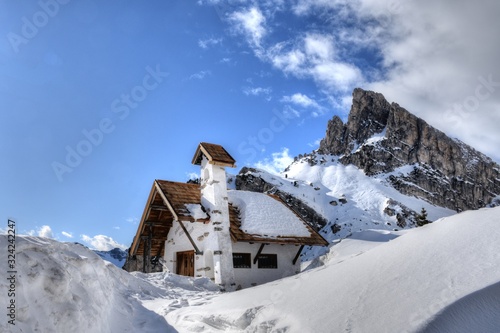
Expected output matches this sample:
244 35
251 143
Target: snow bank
419 281
65 287
353 246
477 312
263 215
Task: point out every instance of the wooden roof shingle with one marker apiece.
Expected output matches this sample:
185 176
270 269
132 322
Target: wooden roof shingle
179 195
216 154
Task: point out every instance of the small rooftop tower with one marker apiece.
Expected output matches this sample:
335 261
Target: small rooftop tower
213 159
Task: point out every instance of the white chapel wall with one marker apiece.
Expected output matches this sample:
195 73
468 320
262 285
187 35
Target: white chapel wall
247 277
177 241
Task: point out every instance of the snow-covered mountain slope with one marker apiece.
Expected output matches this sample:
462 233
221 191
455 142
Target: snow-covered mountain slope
348 199
115 256
65 287
437 278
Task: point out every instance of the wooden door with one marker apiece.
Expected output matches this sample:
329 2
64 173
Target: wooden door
185 263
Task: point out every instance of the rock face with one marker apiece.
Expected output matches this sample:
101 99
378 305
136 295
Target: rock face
368 116
380 137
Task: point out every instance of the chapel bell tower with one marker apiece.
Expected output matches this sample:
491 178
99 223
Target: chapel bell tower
213 159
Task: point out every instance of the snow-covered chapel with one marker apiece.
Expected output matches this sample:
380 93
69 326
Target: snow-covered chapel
236 238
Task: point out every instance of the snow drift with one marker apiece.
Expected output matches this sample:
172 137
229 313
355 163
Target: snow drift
65 287
424 280
443 277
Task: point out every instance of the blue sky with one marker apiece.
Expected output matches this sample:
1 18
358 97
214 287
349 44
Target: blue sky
99 98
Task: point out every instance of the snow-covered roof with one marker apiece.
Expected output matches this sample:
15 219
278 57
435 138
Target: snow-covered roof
263 215
266 218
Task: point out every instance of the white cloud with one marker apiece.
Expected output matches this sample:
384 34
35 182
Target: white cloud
303 7
336 75
209 42
301 100
290 113
278 162
67 234
289 61
192 175
102 242
132 220
200 75
257 91
251 23
45 231
208 2
429 56
315 143
313 56
318 47
435 53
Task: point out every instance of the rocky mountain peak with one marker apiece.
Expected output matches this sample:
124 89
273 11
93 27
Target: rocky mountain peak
380 137
368 116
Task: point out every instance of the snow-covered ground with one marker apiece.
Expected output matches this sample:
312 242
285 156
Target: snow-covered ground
443 277
421 280
66 287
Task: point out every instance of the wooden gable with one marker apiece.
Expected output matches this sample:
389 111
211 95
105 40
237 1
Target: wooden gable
178 195
215 154
166 203
155 223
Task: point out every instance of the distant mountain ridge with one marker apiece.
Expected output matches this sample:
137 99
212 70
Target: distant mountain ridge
380 137
115 256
